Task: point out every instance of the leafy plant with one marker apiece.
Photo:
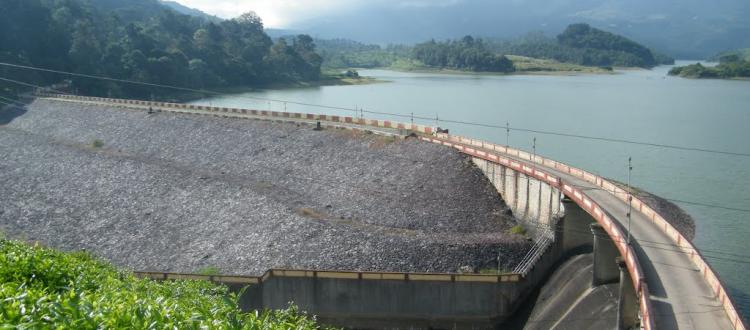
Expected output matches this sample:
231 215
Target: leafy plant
97 143
41 288
518 230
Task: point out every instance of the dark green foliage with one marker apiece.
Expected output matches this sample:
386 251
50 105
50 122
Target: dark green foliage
729 68
342 53
145 41
464 54
585 45
732 56
44 289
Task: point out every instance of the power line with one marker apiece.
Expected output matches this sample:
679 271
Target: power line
12 100
184 89
507 127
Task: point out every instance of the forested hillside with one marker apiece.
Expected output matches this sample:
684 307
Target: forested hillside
579 44
145 41
585 45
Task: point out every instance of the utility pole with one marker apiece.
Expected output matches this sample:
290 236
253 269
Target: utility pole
533 148
630 196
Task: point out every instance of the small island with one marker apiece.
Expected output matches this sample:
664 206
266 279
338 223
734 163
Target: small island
732 65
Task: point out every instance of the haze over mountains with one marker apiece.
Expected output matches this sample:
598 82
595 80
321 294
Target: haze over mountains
681 28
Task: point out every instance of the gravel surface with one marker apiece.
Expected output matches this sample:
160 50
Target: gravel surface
177 193
675 215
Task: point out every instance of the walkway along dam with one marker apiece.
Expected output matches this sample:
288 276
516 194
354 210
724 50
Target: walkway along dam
663 282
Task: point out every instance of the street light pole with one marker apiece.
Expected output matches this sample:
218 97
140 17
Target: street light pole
630 196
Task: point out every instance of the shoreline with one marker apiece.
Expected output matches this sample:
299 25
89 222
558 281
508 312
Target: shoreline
186 97
500 74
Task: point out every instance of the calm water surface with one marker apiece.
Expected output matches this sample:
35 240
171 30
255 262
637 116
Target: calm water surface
641 105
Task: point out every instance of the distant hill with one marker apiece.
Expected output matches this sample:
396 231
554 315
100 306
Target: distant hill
190 11
585 45
681 28
743 54
579 48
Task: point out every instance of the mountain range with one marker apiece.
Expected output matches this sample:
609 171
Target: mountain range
687 29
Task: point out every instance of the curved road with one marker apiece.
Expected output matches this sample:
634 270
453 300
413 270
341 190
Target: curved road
681 298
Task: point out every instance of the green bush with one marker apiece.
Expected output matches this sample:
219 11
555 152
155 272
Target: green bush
41 288
97 144
518 230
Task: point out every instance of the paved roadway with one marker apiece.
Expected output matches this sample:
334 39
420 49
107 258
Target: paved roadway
681 298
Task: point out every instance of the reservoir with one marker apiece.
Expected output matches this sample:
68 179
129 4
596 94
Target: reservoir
635 105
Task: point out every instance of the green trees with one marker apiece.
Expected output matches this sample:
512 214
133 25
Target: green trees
144 41
464 54
585 45
730 67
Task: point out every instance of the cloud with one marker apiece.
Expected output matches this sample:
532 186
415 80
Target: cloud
287 13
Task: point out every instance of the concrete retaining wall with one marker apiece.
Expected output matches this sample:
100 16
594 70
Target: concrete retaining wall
384 300
534 202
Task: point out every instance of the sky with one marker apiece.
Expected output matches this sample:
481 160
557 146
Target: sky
289 13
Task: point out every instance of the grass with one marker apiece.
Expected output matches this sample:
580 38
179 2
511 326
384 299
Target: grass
534 65
209 270
41 288
523 65
97 143
518 230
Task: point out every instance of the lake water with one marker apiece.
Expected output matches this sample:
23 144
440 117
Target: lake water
640 105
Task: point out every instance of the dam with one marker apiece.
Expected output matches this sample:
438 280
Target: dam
433 271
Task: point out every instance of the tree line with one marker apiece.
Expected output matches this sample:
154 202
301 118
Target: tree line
136 42
731 65
584 45
463 54
578 44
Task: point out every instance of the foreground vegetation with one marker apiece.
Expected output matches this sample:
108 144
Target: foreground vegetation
41 288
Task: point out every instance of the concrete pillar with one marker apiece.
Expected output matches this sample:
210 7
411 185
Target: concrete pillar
605 268
627 307
575 228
